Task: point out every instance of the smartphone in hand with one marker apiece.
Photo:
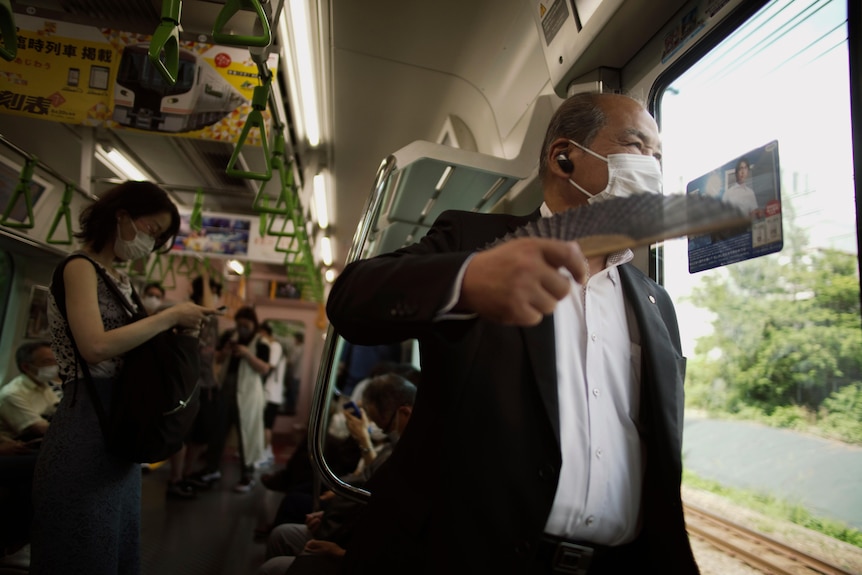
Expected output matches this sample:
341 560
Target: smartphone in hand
353 408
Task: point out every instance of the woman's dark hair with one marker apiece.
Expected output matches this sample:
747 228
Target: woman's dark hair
247 313
99 219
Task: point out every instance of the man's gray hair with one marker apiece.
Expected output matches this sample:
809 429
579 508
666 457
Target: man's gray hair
579 118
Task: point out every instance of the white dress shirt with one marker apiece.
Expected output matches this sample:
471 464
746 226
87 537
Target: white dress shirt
598 385
598 495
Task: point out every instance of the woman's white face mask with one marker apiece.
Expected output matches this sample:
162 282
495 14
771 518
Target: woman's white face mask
628 174
136 248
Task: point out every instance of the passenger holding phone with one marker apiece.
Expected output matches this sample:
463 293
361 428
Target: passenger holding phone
388 401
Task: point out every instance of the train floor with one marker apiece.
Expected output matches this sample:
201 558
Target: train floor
212 534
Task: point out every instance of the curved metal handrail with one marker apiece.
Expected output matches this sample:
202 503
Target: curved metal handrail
323 387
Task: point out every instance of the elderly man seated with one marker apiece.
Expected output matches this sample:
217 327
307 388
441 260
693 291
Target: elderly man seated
28 401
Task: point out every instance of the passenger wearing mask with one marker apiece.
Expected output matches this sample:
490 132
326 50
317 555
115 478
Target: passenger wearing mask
87 502
181 483
554 380
387 400
153 297
243 363
212 415
28 401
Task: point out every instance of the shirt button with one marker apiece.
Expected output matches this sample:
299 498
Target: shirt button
594 337
596 391
599 453
589 521
652 299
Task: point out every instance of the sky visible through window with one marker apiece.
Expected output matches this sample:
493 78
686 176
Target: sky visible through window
782 76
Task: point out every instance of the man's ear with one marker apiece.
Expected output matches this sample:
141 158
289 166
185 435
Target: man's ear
559 159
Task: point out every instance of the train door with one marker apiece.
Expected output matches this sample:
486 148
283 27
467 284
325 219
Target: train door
770 316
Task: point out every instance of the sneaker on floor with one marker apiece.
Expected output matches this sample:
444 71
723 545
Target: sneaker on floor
244 486
211 477
203 480
180 490
265 462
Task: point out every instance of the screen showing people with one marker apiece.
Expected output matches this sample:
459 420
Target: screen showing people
752 183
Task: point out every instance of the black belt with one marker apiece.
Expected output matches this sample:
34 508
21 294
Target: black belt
567 557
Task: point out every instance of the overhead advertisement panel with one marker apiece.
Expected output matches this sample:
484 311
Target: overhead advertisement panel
102 77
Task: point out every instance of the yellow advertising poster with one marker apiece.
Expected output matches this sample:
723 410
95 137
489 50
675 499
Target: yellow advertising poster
103 77
62 72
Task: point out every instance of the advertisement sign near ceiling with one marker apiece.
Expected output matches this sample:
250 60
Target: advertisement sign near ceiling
92 76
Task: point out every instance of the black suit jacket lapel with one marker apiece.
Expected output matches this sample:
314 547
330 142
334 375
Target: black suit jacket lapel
540 344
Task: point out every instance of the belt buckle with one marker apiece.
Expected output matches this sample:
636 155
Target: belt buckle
572 559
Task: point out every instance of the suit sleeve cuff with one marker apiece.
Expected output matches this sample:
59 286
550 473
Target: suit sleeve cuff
454 296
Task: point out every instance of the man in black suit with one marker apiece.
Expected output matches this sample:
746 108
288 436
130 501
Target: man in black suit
546 436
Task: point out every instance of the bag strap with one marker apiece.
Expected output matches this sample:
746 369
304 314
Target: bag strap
58 290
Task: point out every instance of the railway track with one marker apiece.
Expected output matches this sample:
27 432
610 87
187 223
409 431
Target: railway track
753 548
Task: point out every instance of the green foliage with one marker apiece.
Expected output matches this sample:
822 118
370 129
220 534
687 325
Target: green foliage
786 333
776 508
841 414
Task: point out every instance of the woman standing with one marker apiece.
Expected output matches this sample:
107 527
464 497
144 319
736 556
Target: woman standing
87 502
246 359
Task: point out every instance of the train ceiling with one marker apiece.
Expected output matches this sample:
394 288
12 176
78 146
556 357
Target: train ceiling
391 71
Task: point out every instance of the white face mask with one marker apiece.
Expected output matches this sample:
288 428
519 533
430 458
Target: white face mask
138 247
628 174
151 302
48 373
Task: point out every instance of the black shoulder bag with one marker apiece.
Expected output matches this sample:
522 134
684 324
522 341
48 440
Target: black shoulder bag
155 396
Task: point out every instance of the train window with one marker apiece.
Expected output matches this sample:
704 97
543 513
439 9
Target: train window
773 342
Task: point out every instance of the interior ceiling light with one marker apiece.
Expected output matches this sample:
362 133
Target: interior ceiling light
236 266
304 60
326 251
119 164
319 184
329 276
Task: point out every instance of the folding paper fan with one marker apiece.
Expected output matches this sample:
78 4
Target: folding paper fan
642 219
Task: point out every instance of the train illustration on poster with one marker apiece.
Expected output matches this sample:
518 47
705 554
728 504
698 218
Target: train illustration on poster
752 183
144 100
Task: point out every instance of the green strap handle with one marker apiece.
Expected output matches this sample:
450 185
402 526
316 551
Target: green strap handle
161 272
63 213
282 204
196 220
9 49
254 120
262 229
230 8
21 189
167 38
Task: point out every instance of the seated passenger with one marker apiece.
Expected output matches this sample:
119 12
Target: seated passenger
388 401
27 402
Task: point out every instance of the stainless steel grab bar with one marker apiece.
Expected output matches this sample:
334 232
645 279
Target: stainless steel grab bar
323 388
